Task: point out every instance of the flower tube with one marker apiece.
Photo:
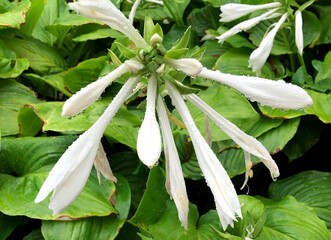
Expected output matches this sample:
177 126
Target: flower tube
232 11
226 199
189 66
246 142
277 94
259 56
298 32
176 184
69 175
106 12
149 138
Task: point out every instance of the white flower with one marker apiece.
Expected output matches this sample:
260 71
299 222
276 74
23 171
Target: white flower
189 66
276 94
175 183
246 142
70 173
245 25
259 56
226 199
106 12
232 11
149 138
89 94
298 32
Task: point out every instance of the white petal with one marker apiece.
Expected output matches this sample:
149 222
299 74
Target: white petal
298 32
246 142
133 10
149 137
248 165
259 56
276 94
245 25
82 152
189 66
89 94
226 199
233 11
105 11
174 169
102 166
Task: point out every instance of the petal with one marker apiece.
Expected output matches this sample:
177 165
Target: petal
226 199
233 11
149 138
298 32
276 94
176 183
245 141
133 11
89 94
259 56
189 66
105 11
102 166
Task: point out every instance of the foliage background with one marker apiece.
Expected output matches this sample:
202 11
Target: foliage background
48 53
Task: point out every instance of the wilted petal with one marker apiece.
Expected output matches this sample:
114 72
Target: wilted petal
176 183
226 199
246 142
248 165
276 94
232 11
189 66
149 138
106 12
298 32
89 94
102 166
245 25
78 158
259 56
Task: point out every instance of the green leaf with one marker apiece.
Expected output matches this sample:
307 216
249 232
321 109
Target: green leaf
13 13
204 18
325 35
176 9
42 58
31 159
182 43
34 235
280 113
30 124
311 28
310 187
325 72
235 61
176 53
32 16
307 135
321 106
95 227
127 52
157 29
13 96
8 224
289 219
237 40
12 68
148 27
99 33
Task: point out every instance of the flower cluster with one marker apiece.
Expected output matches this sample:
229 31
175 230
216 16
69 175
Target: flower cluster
70 173
259 56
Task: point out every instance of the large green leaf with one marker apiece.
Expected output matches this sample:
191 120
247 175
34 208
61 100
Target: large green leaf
123 128
325 71
325 36
311 28
310 187
94 227
176 9
230 104
12 14
8 224
203 19
30 160
321 105
42 58
13 96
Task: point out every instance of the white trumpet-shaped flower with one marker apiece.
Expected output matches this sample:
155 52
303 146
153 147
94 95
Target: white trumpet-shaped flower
226 199
89 94
259 56
70 173
190 66
175 179
277 94
232 11
298 32
246 142
245 25
106 12
149 138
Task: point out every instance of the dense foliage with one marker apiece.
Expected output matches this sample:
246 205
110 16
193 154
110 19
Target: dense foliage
48 52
